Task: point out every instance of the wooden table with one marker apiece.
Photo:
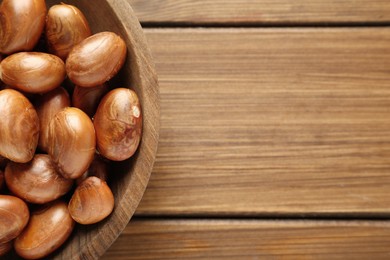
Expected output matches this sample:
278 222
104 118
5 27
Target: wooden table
275 131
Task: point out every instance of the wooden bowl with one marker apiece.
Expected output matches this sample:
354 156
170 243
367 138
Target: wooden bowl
128 179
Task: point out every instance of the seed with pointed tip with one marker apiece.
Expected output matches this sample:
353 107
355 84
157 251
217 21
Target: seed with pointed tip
72 142
91 202
66 26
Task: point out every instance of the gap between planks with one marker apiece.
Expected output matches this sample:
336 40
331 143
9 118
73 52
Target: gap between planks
233 239
261 12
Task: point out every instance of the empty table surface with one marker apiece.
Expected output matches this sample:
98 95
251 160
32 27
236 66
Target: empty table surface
275 131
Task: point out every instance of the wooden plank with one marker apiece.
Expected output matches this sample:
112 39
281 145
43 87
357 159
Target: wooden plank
234 239
261 11
272 122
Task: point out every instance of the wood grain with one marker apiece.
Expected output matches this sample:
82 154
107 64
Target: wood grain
270 122
261 11
235 239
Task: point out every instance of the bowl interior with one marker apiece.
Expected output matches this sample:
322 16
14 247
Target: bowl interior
128 179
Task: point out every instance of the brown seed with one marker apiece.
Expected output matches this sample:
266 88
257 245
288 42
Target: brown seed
5 248
66 26
48 105
14 216
118 124
32 72
21 24
19 130
96 59
72 142
46 231
36 181
91 202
